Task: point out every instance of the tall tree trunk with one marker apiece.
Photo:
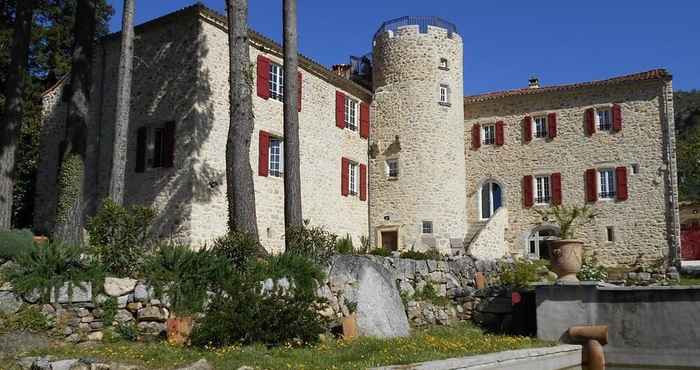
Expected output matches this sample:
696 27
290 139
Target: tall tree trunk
69 213
240 189
292 176
121 127
10 126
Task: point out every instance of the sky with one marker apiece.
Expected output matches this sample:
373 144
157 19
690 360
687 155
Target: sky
505 41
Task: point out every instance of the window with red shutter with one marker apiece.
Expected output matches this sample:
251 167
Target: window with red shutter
299 83
621 183
141 147
344 181
476 136
263 77
616 118
528 199
263 153
364 120
591 185
590 121
363 182
527 129
556 188
500 134
552 125
339 109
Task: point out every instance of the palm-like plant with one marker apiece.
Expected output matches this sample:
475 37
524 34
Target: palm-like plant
567 218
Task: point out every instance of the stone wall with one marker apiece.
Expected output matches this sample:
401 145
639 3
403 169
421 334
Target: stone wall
410 124
490 243
641 223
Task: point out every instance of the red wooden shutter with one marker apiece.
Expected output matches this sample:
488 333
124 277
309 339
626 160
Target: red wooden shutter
299 83
476 136
590 121
141 145
616 118
528 199
364 120
527 129
169 144
363 182
500 134
556 188
344 181
339 109
263 77
263 153
552 125
591 186
621 183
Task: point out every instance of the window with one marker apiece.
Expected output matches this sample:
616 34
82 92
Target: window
606 184
603 118
353 178
542 185
443 63
610 233
276 82
539 243
276 157
155 146
635 168
541 126
351 114
491 199
444 94
427 227
489 134
392 168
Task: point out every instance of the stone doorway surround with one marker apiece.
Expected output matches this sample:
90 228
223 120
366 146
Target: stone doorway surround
388 229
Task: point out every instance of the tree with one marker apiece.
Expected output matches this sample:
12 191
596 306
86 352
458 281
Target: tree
292 176
12 122
687 122
121 125
240 189
69 213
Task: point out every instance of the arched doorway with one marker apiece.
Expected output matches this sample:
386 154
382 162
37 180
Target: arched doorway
539 242
490 199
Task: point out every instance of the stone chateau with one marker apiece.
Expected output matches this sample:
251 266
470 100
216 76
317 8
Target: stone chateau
391 149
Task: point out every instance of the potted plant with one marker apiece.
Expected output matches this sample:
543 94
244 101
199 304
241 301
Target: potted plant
567 252
350 321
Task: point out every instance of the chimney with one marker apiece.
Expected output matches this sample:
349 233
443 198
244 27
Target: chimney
534 82
342 70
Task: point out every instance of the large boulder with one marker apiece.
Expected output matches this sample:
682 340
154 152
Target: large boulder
371 287
116 287
9 303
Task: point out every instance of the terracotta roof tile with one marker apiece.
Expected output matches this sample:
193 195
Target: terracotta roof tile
655 74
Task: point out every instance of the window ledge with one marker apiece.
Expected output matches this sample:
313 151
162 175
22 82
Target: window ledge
394 178
444 104
443 68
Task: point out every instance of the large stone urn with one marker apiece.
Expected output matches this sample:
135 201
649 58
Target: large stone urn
567 257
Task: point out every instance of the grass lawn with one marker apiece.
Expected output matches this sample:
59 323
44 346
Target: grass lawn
429 344
689 280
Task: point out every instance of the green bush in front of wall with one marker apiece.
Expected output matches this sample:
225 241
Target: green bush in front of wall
14 243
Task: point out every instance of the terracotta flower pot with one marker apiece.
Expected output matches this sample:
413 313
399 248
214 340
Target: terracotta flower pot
567 258
179 330
350 326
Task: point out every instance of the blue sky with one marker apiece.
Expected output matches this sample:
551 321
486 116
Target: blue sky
504 41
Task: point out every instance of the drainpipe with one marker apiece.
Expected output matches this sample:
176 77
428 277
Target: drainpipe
671 180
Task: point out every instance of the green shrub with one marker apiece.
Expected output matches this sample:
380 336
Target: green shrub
344 245
109 310
380 252
305 274
128 331
120 237
430 254
28 318
520 273
185 275
238 248
243 315
14 243
314 243
429 294
591 270
50 265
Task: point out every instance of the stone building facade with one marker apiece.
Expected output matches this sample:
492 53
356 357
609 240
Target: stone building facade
393 159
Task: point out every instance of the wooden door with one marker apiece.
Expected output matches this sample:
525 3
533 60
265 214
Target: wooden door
390 240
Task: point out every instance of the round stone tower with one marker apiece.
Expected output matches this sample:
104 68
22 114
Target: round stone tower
417 161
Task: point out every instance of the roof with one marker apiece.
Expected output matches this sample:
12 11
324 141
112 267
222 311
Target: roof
654 74
257 40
